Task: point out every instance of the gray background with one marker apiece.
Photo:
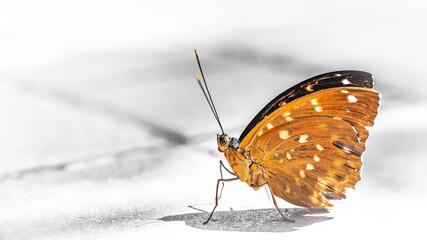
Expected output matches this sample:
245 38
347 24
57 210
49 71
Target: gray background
105 134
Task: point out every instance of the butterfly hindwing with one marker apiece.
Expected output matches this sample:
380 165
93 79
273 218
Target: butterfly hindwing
302 162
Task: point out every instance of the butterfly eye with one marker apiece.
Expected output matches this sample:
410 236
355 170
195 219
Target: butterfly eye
223 141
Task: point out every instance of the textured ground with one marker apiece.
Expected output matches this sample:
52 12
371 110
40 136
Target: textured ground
105 134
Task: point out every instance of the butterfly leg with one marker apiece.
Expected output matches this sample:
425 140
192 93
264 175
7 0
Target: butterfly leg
266 191
221 165
277 207
216 196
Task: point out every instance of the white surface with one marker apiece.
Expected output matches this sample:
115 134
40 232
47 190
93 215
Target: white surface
85 86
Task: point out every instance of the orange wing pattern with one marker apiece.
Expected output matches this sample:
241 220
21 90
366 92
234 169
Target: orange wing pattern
312 146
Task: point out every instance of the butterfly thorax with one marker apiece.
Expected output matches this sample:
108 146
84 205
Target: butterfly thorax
247 169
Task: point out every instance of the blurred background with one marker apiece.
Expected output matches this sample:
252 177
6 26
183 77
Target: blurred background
104 130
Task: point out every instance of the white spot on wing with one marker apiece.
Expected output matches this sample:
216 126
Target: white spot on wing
346 149
303 138
269 126
354 129
309 167
351 98
344 91
284 134
345 82
302 173
319 147
318 109
316 158
288 156
313 101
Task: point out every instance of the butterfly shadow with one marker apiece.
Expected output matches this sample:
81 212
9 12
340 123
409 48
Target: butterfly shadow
257 220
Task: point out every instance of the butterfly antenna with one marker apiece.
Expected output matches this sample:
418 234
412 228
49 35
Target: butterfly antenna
208 95
210 104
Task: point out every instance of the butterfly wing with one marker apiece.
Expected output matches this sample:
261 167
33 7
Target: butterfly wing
312 145
317 83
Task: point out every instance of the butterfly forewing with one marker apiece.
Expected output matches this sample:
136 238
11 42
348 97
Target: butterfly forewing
312 145
321 82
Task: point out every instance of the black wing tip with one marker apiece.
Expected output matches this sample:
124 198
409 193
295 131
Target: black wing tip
356 78
346 72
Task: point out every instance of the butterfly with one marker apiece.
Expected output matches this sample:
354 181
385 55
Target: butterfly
305 146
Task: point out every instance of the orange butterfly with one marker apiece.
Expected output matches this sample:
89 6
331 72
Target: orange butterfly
306 144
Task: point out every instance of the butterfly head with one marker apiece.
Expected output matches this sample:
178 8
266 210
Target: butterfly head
224 142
